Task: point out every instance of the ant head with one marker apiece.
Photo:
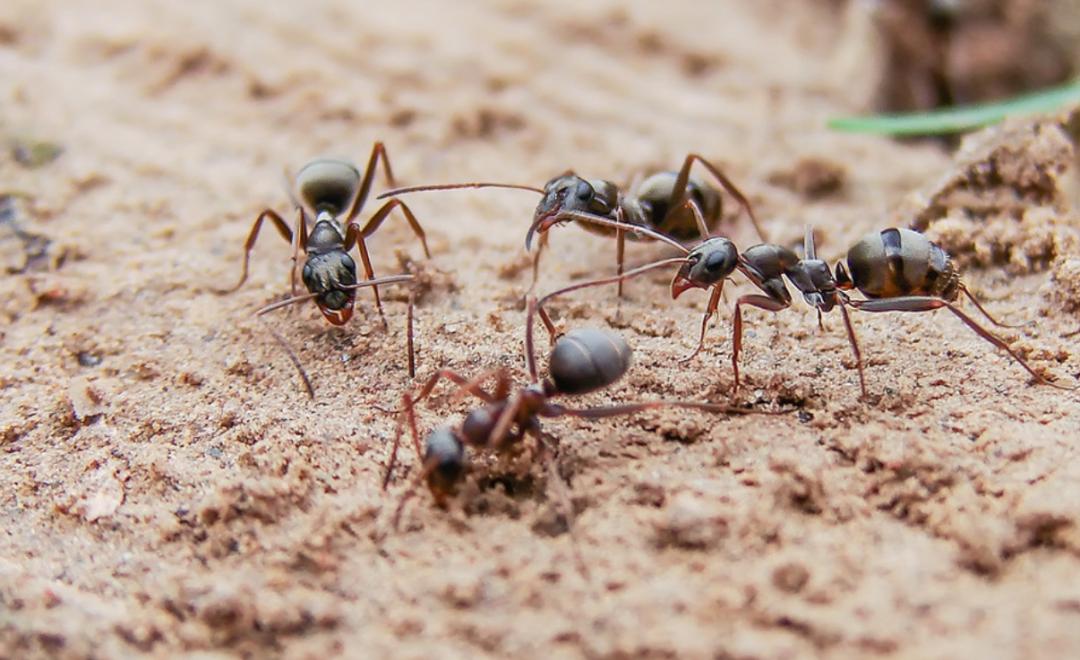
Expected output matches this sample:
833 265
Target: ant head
587 359
324 274
444 461
707 264
570 192
328 185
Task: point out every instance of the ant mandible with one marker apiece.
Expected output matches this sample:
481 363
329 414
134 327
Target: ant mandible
670 203
330 194
581 361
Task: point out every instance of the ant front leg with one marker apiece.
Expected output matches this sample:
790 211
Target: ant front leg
928 304
620 257
253 236
761 302
471 386
710 309
536 261
299 245
408 410
854 345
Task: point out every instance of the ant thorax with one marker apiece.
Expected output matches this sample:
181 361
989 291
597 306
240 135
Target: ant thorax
816 282
535 396
326 234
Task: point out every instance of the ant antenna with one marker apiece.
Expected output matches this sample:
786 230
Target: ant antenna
283 303
458 186
606 222
388 279
281 340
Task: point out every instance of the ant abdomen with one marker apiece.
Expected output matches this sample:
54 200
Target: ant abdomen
655 194
899 262
326 184
478 424
588 359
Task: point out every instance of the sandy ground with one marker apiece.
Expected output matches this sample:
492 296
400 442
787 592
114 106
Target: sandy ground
166 487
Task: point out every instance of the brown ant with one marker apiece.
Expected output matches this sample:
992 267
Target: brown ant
659 204
330 194
581 361
897 270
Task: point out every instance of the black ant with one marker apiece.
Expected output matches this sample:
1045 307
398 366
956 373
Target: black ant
581 361
659 204
897 270
330 194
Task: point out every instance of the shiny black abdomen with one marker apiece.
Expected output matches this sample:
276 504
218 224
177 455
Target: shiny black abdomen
588 359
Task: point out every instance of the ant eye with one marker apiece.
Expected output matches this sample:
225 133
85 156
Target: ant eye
347 262
715 261
583 191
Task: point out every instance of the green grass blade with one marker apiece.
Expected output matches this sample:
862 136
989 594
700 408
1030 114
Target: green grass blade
963 118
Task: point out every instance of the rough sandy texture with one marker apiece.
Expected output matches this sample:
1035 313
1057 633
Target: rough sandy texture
165 485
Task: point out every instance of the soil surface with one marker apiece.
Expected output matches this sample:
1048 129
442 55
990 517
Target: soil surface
167 487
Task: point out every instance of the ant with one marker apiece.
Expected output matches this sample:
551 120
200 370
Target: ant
330 194
658 203
581 361
897 270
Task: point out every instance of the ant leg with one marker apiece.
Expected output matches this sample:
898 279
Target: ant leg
465 385
530 350
410 345
356 234
683 178
253 236
553 332
985 313
409 492
299 245
384 211
369 273
407 405
928 303
378 152
854 346
620 254
761 302
536 261
501 430
710 309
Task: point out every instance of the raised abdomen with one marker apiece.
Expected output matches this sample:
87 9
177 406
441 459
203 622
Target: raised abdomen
655 194
901 262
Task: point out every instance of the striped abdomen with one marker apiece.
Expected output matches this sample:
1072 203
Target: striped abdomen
902 262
